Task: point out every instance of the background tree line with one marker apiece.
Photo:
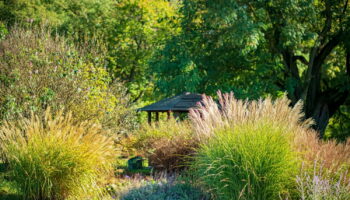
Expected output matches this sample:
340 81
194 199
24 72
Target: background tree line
254 48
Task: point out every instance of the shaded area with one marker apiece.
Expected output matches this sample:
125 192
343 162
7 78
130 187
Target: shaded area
7 189
9 196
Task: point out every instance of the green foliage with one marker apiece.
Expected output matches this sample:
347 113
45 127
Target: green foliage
249 161
80 19
39 71
256 48
140 28
216 49
3 31
131 29
55 158
339 125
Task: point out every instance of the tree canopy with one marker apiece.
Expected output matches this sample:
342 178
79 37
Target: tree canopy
254 48
257 47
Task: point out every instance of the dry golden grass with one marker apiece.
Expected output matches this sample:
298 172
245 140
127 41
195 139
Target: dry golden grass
230 112
333 156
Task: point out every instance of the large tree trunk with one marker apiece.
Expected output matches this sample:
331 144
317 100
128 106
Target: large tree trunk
319 103
322 105
321 117
323 109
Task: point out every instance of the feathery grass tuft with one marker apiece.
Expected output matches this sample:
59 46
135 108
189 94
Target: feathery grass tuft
247 147
53 158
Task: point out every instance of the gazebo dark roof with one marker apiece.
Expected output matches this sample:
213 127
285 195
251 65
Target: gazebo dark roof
180 103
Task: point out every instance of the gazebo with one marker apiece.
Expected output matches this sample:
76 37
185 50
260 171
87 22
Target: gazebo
178 104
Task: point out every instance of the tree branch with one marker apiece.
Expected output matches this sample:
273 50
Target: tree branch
302 59
327 49
347 62
328 23
138 96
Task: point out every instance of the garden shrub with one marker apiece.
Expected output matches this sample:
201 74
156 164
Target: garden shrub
247 147
167 144
38 70
52 157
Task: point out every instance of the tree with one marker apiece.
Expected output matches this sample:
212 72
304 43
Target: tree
131 29
301 47
140 27
79 18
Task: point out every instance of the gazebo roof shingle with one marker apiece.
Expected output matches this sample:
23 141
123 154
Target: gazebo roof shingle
181 103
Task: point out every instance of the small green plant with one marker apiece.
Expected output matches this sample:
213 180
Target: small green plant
3 31
53 158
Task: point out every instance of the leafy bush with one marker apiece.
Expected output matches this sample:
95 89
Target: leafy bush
39 71
167 144
54 158
247 149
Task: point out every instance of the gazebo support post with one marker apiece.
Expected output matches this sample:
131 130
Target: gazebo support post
149 117
176 115
168 114
157 116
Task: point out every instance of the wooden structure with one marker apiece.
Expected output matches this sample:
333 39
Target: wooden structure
178 104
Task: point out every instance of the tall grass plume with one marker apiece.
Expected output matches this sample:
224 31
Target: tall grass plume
51 157
247 147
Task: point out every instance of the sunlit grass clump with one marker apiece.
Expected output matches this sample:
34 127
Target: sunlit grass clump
53 158
247 147
249 161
